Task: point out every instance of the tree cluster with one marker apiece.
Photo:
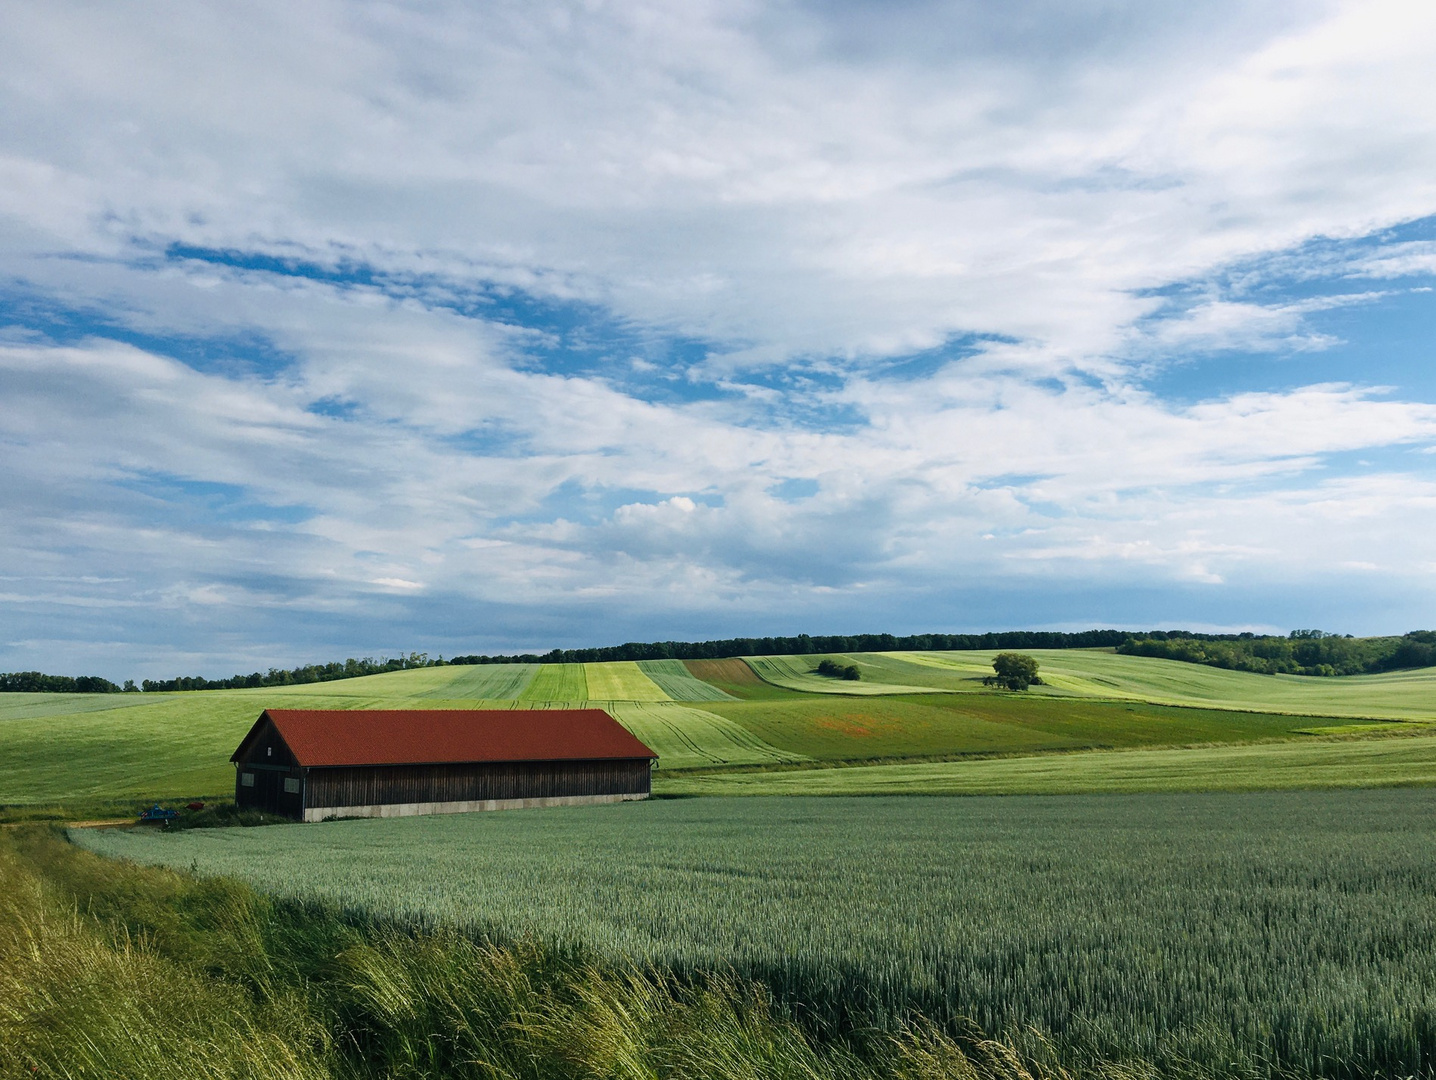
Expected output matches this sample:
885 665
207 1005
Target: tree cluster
1302 652
835 670
36 682
308 673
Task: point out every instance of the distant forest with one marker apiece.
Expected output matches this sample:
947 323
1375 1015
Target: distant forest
1303 652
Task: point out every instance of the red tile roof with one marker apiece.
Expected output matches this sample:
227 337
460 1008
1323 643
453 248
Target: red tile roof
448 736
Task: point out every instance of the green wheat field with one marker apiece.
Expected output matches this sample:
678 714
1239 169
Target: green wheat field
1140 868
1255 932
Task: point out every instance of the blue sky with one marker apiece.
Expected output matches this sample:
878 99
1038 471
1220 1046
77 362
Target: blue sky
344 329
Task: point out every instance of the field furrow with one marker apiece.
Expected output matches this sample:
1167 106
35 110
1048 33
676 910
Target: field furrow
688 738
557 682
679 683
487 682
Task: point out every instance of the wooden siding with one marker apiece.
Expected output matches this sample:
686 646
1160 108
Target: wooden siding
268 760
267 748
371 785
267 792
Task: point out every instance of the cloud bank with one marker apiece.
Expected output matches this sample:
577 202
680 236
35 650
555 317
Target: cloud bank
340 328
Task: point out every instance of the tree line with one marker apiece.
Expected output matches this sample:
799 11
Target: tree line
803 644
1302 652
308 673
37 682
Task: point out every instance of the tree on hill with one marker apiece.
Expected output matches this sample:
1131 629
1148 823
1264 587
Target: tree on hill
1016 671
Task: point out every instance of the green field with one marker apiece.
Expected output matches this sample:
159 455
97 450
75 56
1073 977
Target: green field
1205 934
31 706
679 683
1340 763
800 673
557 682
1397 695
1101 673
486 682
87 750
736 678
689 738
621 681
949 725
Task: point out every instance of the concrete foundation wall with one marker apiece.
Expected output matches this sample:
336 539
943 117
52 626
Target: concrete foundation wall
386 810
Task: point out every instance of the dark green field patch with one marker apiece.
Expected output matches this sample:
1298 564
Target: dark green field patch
939 725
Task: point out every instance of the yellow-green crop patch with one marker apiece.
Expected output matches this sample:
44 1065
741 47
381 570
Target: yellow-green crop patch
557 682
621 680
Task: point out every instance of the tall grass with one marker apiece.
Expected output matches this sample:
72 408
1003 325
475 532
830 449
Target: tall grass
1231 935
117 971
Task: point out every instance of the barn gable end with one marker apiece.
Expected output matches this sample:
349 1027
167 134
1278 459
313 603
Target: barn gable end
268 775
310 765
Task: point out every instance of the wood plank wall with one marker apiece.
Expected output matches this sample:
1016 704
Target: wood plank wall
372 785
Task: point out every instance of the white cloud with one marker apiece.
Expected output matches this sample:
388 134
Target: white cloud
806 190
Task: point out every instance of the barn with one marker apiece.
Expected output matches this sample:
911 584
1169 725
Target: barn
313 764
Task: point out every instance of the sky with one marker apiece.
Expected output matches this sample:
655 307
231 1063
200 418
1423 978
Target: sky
345 329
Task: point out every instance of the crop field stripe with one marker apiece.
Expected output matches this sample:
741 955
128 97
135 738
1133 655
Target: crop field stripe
687 738
1238 935
1397 695
951 725
492 682
1348 763
796 673
679 683
621 680
34 706
557 682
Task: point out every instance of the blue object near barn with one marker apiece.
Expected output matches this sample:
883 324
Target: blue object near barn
158 815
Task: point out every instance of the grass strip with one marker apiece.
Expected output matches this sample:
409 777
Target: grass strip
1351 763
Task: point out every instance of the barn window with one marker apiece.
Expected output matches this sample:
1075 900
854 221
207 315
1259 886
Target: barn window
246 779
291 785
